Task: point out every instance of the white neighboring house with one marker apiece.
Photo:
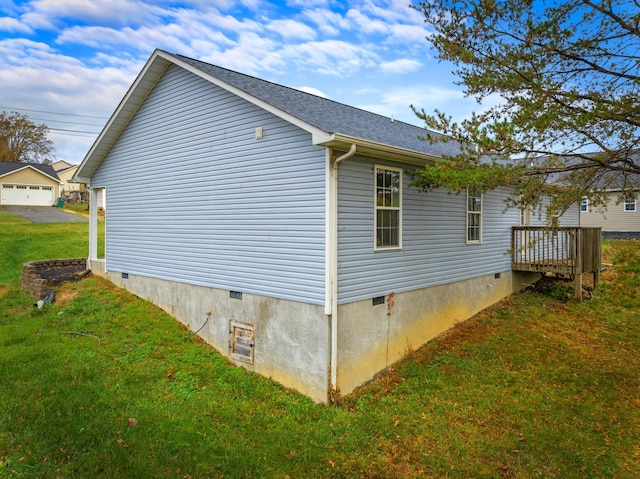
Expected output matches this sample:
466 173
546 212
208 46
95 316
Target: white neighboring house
28 184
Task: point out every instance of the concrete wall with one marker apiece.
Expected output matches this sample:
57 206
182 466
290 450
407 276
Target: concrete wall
291 338
372 337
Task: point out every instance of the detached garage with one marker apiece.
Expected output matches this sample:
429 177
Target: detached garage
28 184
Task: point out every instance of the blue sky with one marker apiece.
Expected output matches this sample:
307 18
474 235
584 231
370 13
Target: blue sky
68 63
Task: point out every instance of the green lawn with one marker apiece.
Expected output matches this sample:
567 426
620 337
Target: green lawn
103 384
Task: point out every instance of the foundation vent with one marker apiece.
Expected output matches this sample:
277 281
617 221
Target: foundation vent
241 341
235 294
377 300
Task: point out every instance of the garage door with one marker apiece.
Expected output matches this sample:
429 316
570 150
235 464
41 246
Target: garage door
28 195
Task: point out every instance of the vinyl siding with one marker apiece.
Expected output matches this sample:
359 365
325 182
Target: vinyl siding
193 197
434 249
613 218
538 217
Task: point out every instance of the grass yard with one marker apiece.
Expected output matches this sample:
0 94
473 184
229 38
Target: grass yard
102 384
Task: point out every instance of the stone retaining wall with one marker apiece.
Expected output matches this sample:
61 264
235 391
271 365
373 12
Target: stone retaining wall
38 276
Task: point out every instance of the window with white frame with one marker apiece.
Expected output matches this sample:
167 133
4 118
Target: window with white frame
474 215
584 206
388 206
629 204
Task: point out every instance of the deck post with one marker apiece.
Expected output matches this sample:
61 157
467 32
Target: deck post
578 264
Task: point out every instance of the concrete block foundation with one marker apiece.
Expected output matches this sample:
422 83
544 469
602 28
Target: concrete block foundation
290 338
373 337
291 341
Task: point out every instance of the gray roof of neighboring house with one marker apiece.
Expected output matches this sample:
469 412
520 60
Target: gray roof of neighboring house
7 167
328 115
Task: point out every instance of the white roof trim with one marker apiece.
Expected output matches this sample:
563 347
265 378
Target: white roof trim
379 150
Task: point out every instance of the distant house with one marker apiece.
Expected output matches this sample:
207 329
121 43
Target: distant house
619 218
283 226
71 190
28 184
61 165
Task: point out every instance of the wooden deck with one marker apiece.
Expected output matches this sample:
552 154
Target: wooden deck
570 251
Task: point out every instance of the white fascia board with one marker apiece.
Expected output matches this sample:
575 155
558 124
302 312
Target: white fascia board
80 179
379 150
138 91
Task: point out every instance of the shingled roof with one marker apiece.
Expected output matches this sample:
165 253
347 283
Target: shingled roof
7 167
331 124
327 115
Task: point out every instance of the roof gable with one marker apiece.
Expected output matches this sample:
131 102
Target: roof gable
7 168
331 123
60 165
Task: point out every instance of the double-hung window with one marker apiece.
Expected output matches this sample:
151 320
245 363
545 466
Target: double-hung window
388 206
584 206
629 204
474 216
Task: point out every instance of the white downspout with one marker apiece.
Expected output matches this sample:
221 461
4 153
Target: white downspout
333 260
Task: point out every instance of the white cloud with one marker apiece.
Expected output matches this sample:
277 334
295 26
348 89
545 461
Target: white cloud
309 3
397 101
251 54
402 65
331 57
312 90
12 25
145 39
367 24
291 29
393 18
392 11
39 78
47 13
416 34
327 22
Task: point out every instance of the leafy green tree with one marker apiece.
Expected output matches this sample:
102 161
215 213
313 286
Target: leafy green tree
22 141
562 79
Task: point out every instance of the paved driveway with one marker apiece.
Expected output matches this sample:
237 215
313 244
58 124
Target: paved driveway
44 214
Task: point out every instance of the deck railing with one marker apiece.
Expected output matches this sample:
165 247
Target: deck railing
563 250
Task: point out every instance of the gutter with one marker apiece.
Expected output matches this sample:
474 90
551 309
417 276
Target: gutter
375 149
331 305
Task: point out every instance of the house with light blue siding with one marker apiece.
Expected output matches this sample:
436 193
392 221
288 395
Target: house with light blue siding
283 227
